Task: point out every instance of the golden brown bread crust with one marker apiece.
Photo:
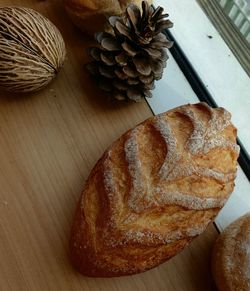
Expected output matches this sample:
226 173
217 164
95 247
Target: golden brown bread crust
231 257
154 189
91 15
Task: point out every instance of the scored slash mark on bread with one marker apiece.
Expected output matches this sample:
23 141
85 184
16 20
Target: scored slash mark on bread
155 189
173 169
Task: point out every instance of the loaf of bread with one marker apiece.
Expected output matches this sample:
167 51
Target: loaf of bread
154 190
91 15
231 257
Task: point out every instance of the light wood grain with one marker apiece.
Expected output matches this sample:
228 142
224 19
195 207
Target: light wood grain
49 141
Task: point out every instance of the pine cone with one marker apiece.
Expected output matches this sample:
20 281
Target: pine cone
127 62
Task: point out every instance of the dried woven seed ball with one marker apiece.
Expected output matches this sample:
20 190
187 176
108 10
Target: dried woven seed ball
32 50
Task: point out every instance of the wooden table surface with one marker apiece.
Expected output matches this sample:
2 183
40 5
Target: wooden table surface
49 141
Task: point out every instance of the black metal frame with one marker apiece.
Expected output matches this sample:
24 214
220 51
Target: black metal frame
203 94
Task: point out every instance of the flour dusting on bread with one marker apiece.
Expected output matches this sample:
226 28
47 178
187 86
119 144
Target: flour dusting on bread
154 190
205 136
134 167
173 156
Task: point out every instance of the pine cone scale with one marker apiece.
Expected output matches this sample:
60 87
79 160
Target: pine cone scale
142 66
120 74
129 49
122 29
107 59
134 16
95 54
130 71
110 44
153 52
121 59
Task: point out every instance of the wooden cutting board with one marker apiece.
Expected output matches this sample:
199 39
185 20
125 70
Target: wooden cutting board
49 141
